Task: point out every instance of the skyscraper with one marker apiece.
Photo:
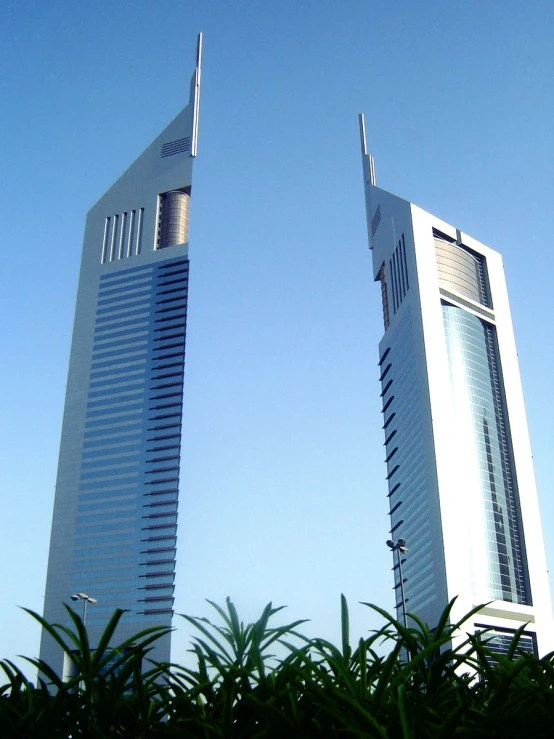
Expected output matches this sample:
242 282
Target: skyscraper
460 474
115 512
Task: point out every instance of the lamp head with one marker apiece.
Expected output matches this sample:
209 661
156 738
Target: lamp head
390 543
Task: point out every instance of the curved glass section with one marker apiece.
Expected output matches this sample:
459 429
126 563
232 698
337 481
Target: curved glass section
478 396
461 270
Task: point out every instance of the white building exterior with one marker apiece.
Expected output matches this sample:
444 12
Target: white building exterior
460 473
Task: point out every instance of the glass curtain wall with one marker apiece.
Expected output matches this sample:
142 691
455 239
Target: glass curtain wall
477 391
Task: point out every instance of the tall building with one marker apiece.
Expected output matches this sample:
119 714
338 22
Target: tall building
460 474
115 512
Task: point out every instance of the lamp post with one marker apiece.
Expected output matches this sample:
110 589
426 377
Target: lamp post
400 548
86 599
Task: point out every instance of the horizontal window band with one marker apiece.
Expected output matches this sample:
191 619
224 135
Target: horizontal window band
153 575
386 371
173 418
121 362
169 376
159 470
173 324
392 472
168 385
166 272
110 334
168 365
181 277
396 526
389 419
387 386
391 455
181 299
165 396
156 612
114 309
162 539
116 324
156 562
394 508
162 480
177 275
135 342
172 281
176 447
110 408
170 291
159 460
387 404
391 435
120 297
123 315
178 309
136 286
179 345
125 273
385 354
394 489
182 263
178 340
125 423
121 392
171 355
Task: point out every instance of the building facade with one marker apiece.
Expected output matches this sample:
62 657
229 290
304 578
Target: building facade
460 476
114 525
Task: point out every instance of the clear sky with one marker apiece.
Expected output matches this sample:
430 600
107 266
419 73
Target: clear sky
283 483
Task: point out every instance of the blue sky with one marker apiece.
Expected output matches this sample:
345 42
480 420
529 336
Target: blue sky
283 489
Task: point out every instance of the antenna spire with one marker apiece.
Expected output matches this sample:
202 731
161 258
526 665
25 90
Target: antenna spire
371 162
195 96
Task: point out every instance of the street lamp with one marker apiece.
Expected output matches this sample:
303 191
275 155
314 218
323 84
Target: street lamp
400 548
86 599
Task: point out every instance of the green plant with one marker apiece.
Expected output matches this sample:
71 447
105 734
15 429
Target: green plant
260 681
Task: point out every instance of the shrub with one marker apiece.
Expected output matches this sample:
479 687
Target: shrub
240 689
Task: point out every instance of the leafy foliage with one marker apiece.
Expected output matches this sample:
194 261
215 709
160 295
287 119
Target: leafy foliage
311 688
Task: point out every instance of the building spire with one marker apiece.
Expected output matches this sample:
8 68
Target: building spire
195 96
370 162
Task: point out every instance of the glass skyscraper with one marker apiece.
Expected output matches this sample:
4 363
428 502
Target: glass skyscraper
114 526
460 477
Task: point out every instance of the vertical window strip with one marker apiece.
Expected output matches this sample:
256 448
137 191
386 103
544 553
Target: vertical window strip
159 206
138 245
405 262
398 282
395 280
402 268
385 297
105 241
112 240
392 286
129 246
121 232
